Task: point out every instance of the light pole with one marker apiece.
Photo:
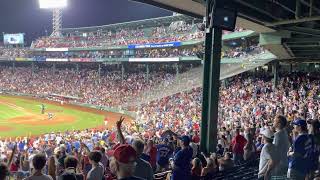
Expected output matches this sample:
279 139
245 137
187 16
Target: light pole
56 6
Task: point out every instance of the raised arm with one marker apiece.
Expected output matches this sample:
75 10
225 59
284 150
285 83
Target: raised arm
12 154
119 131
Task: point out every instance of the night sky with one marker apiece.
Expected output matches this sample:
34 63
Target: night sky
25 15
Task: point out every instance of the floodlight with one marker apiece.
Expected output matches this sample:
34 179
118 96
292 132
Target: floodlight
53 4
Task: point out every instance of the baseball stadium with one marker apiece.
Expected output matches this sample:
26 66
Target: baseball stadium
195 90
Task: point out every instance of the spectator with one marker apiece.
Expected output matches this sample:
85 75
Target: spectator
97 171
163 154
238 143
104 159
39 161
182 160
299 154
210 169
123 163
282 144
226 162
52 169
196 169
143 168
152 152
4 171
70 172
268 157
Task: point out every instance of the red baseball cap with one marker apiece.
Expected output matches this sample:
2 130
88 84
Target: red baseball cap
125 153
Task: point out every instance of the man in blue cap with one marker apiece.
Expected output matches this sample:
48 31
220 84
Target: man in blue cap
301 151
182 160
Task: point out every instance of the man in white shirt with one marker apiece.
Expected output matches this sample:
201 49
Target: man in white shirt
282 144
268 157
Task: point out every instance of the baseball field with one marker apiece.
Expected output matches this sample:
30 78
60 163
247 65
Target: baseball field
22 116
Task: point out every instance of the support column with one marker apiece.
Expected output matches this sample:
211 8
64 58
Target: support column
77 68
290 68
214 91
311 8
32 68
54 68
206 87
148 71
177 69
122 72
275 68
298 9
13 67
99 73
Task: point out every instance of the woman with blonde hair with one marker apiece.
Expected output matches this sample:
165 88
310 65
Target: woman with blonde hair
196 169
52 169
211 167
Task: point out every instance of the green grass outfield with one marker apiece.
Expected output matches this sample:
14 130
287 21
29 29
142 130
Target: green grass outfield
18 107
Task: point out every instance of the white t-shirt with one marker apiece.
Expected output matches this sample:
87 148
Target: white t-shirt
282 144
43 177
267 153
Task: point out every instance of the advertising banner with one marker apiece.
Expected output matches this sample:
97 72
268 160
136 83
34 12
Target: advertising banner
57 49
39 58
154 45
153 59
13 38
82 60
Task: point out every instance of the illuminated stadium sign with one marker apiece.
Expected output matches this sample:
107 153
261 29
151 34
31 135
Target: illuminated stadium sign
13 38
154 45
52 4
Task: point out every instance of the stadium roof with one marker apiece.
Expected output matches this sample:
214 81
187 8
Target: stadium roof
299 19
145 23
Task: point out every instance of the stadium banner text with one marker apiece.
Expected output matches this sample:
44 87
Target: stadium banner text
82 60
154 45
153 59
57 49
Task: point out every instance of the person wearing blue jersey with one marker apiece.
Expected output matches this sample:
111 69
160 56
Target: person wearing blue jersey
301 151
164 152
182 160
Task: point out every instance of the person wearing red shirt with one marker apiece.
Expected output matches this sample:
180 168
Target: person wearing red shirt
152 152
238 143
196 138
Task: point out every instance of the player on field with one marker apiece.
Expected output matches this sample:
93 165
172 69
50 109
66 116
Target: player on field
43 108
106 120
50 116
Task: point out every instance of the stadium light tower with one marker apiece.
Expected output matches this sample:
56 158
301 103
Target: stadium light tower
56 6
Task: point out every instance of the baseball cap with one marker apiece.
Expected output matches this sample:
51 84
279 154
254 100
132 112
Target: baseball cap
185 139
299 122
267 133
125 153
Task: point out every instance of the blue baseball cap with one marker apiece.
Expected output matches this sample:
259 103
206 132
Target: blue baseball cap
185 139
299 122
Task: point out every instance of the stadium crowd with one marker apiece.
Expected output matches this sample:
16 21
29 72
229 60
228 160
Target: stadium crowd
108 90
176 31
120 37
138 53
279 127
